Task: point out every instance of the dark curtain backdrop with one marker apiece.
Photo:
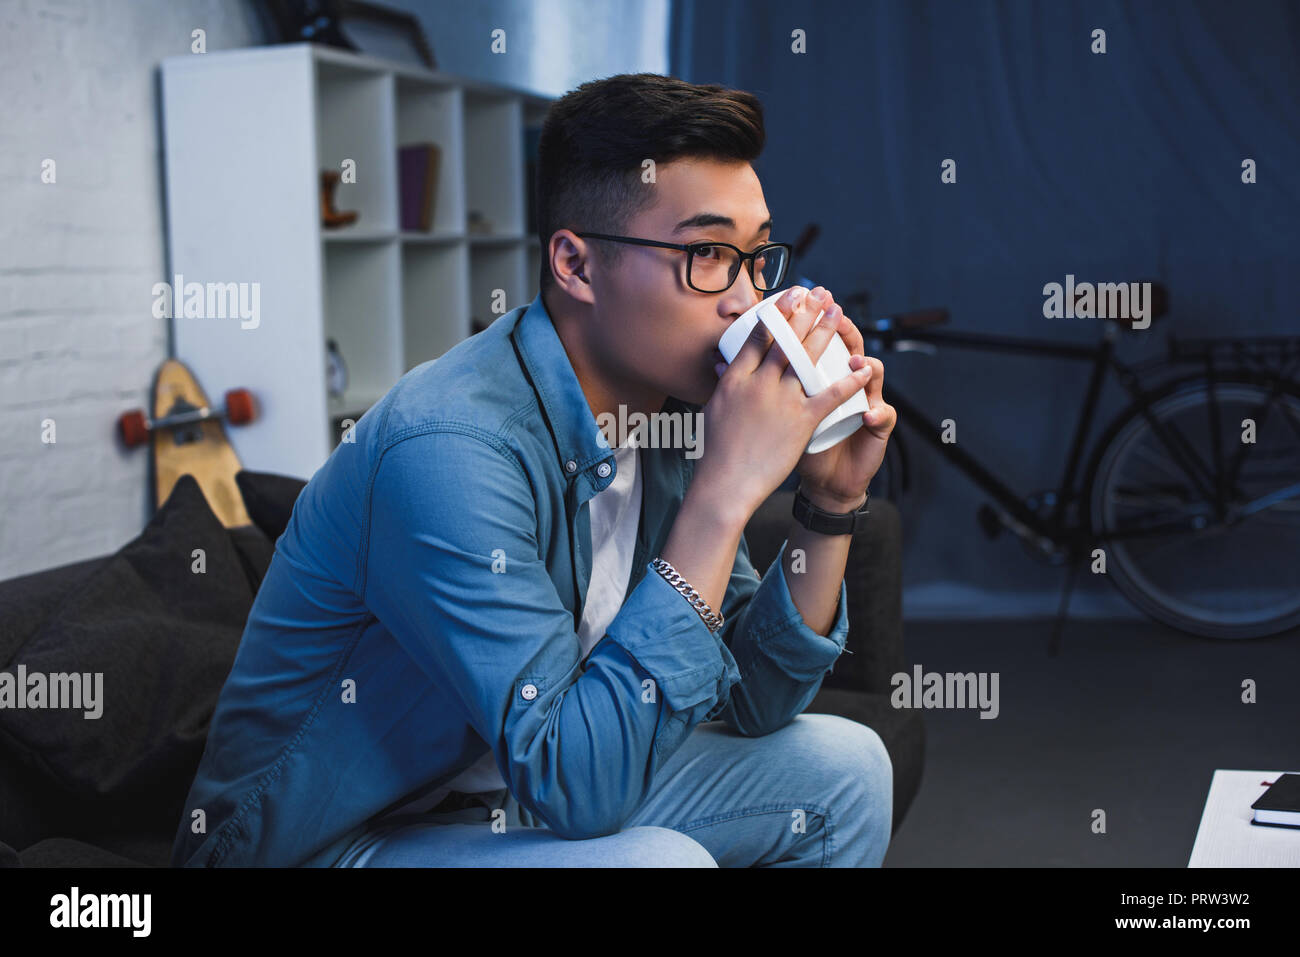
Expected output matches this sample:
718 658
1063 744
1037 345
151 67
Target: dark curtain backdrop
1114 167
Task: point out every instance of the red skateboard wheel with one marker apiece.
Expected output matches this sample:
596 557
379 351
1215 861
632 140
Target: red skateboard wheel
134 428
239 406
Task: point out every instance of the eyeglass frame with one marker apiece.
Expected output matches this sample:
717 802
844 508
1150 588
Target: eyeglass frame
746 259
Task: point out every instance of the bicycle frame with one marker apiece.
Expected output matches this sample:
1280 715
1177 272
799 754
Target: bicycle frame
1102 357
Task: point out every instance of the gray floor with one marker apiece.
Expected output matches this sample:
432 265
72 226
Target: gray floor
1132 718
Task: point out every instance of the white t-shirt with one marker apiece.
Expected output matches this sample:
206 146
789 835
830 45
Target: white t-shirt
615 514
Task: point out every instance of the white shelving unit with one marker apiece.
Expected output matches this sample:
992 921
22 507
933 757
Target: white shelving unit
247 134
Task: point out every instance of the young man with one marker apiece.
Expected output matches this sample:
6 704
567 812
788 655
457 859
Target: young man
490 636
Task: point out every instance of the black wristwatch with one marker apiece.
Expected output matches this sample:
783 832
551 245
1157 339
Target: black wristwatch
827 523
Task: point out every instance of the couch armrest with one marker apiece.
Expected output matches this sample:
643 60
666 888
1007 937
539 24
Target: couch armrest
873 578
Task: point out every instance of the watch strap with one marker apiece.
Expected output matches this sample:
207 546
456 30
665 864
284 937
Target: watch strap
828 523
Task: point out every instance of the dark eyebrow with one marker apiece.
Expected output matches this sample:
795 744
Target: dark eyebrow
714 219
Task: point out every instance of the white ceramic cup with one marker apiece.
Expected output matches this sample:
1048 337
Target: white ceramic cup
846 418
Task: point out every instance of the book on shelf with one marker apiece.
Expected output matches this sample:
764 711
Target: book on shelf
417 166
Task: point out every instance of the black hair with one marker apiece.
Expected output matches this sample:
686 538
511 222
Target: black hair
596 137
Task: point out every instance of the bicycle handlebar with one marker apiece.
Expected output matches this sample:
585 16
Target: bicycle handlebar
917 319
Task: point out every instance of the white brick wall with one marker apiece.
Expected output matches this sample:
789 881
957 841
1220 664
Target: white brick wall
78 258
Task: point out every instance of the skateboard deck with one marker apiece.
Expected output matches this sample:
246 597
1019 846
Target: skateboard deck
200 449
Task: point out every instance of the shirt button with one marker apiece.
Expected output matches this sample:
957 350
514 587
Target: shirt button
529 691
570 466
603 469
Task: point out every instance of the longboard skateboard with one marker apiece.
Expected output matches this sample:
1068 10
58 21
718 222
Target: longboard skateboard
188 439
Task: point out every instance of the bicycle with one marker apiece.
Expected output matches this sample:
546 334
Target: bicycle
1173 489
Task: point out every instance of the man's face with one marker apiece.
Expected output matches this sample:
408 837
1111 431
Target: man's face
651 327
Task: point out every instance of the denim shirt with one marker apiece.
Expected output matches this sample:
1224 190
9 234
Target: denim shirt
423 604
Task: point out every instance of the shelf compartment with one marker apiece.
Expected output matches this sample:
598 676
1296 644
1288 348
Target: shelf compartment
355 121
435 300
534 111
430 113
494 182
491 268
362 290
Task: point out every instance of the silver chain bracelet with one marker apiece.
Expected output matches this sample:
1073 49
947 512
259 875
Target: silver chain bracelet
712 620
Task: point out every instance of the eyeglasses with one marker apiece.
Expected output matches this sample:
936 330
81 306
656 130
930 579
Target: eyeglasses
712 266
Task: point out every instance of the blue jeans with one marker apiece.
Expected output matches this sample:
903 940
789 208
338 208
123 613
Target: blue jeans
816 793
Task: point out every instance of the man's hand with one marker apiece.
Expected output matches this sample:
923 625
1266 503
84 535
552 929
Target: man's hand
837 478
759 419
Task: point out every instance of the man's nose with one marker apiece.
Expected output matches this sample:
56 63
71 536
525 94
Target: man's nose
743 295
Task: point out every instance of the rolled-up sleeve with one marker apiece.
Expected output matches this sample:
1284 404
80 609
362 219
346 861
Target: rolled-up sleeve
782 660
453 568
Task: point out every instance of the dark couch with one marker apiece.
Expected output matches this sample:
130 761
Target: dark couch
162 619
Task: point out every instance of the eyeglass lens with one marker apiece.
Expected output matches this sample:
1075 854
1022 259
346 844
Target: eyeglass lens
714 268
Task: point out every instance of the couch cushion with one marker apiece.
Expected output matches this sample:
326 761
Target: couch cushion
27 602
268 499
164 637
254 550
31 805
65 852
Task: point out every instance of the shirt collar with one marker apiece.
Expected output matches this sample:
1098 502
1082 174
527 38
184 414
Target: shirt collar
579 442
578 438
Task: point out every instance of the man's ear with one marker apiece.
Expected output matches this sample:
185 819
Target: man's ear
569 260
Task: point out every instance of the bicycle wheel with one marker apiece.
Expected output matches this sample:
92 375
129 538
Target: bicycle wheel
1229 574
